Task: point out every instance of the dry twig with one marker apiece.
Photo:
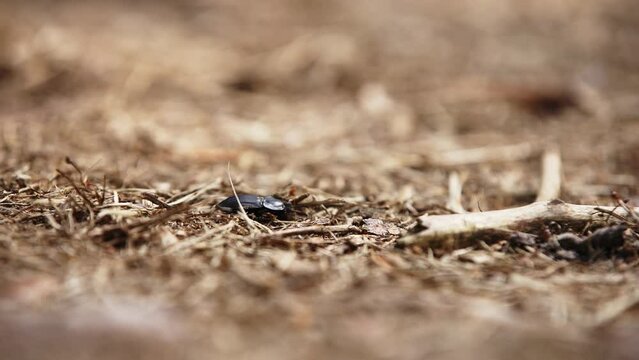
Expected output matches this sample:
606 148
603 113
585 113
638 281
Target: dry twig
154 199
455 193
193 241
550 187
253 225
314 229
460 226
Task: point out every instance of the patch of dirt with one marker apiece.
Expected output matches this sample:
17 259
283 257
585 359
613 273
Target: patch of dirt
118 123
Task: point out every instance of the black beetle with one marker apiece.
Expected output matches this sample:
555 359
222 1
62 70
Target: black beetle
255 203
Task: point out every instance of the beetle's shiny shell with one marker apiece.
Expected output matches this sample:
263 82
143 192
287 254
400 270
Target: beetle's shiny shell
252 202
273 203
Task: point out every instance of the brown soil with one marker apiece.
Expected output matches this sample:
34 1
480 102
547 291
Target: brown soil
118 122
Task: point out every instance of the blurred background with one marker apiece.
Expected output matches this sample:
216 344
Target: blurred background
369 100
382 84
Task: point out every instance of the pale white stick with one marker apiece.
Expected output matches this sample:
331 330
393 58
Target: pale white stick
455 193
237 198
457 226
550 187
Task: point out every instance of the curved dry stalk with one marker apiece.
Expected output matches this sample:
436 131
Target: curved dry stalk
456 227
239 203
192 194
253 225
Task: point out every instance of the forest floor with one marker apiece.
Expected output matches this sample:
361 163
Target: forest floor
119 124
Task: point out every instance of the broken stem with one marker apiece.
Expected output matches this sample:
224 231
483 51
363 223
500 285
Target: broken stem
455 193
550 187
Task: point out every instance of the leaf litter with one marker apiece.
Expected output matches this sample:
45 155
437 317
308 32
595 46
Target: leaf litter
112 167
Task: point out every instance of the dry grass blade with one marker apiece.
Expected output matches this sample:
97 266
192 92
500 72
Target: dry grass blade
154 199
144 224
86 200
77 168
193 241
248 220
314 229
162 217
191 195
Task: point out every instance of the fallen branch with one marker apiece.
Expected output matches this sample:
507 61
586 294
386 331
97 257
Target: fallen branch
456 228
